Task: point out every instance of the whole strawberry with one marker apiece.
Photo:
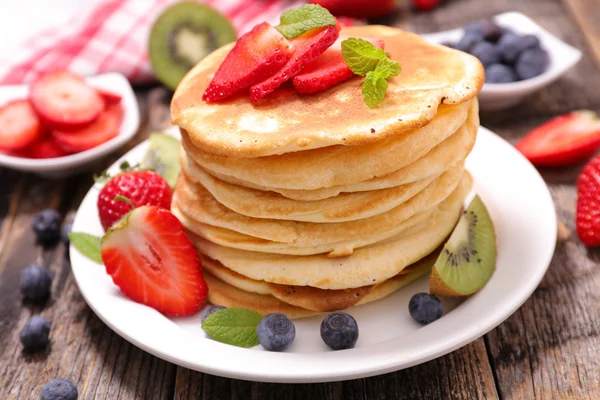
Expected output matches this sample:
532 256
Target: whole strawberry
142 188
588 204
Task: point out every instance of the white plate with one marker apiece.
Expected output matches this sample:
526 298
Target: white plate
500 96
73 164
525 220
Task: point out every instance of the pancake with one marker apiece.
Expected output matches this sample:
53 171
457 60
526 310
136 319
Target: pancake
344 207
337 165
442 157
366 266
286 121
200 206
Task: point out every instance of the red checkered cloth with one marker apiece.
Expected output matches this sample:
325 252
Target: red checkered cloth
113 37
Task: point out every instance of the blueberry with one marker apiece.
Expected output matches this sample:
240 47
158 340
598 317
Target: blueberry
339 331
34 335
486 52
35 282
469 40
276 332
532 63
210 311
64 233
530 42
491 31
59 389
425 308
475 26
509 47
500 73
46 225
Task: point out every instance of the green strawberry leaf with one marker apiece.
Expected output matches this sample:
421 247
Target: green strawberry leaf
234 326
297 21
88 245
361 56
373 89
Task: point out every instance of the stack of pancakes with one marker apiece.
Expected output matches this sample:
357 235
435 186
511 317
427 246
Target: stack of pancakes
310 204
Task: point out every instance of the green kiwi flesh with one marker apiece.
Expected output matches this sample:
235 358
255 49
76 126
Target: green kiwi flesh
183 35
468 259
163 157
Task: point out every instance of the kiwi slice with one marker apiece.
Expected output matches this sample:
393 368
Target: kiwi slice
468 259
163 157
183 35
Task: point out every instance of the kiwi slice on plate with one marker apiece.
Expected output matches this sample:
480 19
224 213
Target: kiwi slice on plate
183 35
163 157
468 259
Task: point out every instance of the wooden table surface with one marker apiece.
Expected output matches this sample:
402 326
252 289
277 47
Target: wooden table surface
546 350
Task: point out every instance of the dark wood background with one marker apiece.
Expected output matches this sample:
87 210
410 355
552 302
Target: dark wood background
547 350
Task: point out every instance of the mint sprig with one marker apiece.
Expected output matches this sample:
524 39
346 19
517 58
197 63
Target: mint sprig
234 326
297 21
88 245
365 59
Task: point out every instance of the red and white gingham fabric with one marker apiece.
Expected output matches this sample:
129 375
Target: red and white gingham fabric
112 36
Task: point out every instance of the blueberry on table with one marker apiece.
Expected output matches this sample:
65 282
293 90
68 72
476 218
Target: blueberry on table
486 52
59 389
35 282
510 46
34 335
210 310
469 40
276 332
46 225
425 308
339 331
532 63
500 73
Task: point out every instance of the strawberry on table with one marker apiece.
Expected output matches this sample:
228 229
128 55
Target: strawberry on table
64 100
19 126
564 140
588 204
257 55
142 188
151 259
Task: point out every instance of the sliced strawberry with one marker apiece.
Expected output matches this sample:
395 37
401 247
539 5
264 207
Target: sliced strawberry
328 69
104 128
152 261
109 97
46 148
257 55
19 125
565 140
307 48
588 204
358 8
64 101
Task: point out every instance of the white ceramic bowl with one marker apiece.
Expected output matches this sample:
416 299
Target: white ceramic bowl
498 96
75 163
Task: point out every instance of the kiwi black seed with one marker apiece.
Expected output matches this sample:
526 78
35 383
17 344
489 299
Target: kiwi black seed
183 35
468 259
163 157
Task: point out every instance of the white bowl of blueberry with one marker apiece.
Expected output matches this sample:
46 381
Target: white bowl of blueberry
519 56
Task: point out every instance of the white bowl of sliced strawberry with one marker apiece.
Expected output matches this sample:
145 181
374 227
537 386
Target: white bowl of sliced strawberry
63 123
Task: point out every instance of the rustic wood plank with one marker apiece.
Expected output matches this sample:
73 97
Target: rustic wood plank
587 15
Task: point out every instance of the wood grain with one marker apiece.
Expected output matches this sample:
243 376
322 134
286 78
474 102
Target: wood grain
587 15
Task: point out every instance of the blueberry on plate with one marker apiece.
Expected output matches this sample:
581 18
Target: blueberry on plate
35 282
210 310
276 332
59 389
34 335
468 40
486 52
509 47
339 331
46 225
532 63
425 308
500 73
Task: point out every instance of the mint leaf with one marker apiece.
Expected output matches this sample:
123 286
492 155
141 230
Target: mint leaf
361 56
297 21
88 245
373 89
235 326
387 68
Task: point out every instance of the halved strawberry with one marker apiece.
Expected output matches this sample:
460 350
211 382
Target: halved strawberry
104 128
257 55
150 258
19 125
46 148
109 97
358 8
328 69
64 101
307 47
564 140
